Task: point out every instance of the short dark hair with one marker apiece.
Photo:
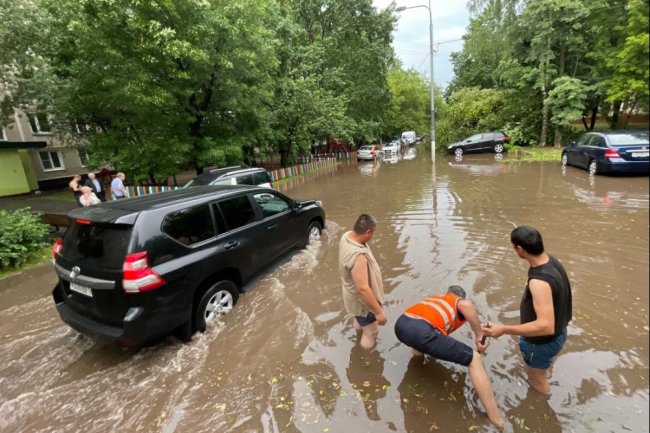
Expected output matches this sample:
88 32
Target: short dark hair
364 223
529 239
457 290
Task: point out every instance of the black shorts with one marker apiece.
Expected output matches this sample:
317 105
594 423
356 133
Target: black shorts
423 337
366 320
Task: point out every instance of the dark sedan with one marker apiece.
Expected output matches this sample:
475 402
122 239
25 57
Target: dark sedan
610 152
483 142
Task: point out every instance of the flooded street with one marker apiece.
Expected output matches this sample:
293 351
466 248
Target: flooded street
285 359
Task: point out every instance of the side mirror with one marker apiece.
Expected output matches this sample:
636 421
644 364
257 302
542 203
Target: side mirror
296 205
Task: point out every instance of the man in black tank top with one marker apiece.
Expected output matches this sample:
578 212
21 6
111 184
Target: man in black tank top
545 309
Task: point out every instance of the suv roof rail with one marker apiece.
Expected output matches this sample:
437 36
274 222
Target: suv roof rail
225 168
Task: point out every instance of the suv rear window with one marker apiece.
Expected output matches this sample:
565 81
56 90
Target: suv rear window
95 244
189 226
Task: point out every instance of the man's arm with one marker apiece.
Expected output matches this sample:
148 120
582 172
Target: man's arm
543 305
362 284
466 308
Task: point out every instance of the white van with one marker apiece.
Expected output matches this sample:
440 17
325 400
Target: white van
408 137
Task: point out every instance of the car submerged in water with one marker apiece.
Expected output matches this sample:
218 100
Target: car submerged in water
138 269
610 152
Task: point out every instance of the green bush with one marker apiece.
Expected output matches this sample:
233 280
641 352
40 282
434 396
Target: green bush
21 235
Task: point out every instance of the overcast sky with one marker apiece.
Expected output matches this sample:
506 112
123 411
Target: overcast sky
411 37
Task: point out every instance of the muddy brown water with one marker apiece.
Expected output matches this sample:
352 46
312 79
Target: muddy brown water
285 359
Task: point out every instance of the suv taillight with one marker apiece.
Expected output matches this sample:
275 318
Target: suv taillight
56 249
138 276
611 153
506 139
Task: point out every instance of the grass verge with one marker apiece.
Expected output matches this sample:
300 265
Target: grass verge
527 154
34 259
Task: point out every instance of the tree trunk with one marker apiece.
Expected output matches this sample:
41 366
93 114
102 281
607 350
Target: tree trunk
594 114
544 132
558 138
616 112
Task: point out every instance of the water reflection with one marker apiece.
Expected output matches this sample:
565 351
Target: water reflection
479 165
410 153
369 168
605 193
366 376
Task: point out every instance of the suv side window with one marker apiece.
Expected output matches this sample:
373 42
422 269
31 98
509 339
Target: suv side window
261 177
189 226
244 179
271 204
236 211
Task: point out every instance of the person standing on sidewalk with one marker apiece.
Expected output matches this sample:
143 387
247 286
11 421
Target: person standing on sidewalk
117 186
545 310
96 186
425 327
363 288
75 186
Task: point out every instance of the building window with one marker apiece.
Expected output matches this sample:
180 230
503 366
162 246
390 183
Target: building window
39 123
83 156
51 161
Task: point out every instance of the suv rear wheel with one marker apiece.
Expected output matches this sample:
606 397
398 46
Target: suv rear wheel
217 301
498 148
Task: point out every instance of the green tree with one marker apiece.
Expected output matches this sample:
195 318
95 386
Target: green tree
471 110
410 103
628 62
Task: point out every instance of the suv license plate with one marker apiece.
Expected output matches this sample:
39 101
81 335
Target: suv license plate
640 154
81 289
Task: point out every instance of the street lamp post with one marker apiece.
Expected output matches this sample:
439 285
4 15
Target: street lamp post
433 114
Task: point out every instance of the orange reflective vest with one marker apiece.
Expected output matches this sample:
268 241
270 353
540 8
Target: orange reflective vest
440 311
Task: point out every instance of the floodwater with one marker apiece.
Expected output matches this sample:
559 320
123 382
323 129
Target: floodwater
285 359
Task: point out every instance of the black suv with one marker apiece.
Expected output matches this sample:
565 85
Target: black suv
233 176
483 142
138 269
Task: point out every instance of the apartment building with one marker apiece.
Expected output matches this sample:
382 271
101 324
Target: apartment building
32 158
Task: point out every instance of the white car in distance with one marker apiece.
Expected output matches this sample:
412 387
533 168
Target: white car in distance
392 148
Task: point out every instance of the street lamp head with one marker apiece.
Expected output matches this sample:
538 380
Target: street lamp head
400 9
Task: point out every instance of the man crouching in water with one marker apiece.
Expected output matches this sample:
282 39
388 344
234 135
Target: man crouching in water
426 326
363 288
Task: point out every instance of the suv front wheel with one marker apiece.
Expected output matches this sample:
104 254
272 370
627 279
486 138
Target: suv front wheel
313 232
217 301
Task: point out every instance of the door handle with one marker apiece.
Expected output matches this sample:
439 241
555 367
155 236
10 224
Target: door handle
230 245
273 227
